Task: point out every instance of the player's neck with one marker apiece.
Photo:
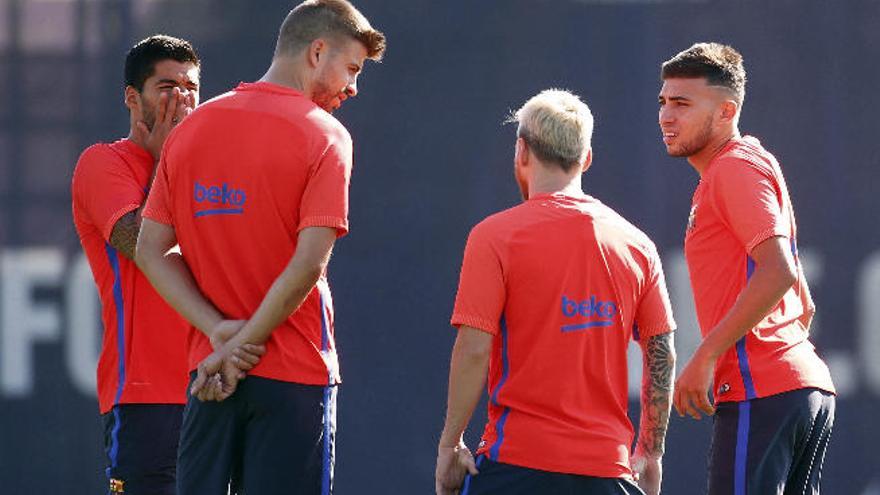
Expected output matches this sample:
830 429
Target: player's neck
700 160
555 183
285 73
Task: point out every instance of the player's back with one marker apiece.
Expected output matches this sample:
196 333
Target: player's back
575 273
246 172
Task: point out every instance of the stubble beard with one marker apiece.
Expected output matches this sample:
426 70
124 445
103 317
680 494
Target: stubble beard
323 96
148 114
697 144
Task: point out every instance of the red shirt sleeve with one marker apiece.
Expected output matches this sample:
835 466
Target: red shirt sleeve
156 208
105 188
654 313
481 287
748 201
325 200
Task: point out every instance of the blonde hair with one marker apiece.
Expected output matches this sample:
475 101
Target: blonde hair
557 126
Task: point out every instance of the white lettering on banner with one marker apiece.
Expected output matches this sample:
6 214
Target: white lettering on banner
83 323
25 321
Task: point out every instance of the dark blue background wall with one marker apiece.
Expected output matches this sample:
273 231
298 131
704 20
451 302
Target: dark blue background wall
431 159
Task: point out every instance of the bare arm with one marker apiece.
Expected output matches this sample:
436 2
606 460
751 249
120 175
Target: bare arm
658 357
774 275
467 380
291 287
125 233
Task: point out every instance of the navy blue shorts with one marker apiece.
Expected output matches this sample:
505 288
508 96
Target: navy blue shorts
270 437
140 441
497 478
771 446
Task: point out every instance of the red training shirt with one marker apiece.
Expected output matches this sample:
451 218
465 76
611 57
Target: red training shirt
109 181
238 180
741 201
563 283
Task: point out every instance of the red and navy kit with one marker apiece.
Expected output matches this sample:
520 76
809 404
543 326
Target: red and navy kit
741 201
237 213
564 284
238 180
143 354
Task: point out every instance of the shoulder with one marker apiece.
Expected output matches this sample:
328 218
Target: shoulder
498 226
96 159
327 127
612 227
746 155
97 153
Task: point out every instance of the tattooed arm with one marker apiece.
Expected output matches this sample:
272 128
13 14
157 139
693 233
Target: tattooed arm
658 356
125 233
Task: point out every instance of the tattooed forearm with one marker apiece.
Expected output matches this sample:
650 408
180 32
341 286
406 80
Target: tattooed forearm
125 234
658 355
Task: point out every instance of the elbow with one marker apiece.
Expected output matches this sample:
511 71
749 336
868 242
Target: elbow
143 258
477 353
313 272
787 275
139 258
473 346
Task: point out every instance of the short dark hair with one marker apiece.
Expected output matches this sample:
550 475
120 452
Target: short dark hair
721 65
313 19
140 63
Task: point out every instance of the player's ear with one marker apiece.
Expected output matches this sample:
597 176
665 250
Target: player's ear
729 109
521 153
132 99
588 161
316 51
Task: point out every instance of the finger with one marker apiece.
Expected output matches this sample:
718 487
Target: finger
240 364
676 401
162 108
206 393
174 102
180 109
170 115
690 405
203 393
257 350
471 466
226 390
705 405
199 382
142 129
246 357
213 385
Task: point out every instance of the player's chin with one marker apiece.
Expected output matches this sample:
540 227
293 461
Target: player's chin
332 106
676 151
